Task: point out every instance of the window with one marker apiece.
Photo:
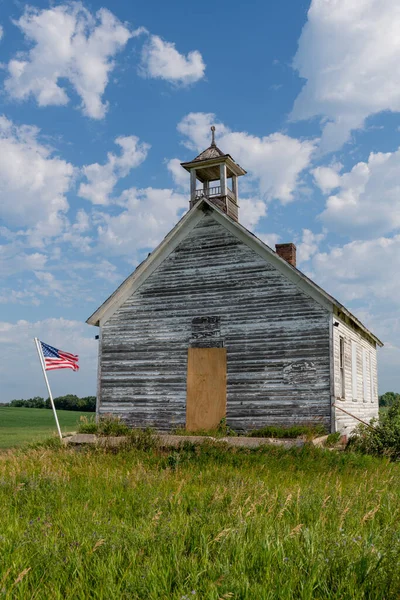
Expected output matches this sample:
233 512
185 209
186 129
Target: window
354 370
341 367
364 368
371 376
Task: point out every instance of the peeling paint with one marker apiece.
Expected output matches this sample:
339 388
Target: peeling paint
276 336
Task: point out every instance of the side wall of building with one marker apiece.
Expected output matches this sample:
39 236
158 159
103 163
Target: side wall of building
360 377
213 289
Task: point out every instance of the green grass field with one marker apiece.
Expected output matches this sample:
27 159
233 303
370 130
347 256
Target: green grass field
203 523
24 425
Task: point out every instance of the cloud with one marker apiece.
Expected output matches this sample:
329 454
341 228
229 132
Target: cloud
269 238
179 175
33 182
349 55
309 245
327 178
16 340
1 32
274 162
147 216
161 60
251 211
67 43
103 178
14 260
361 270
367 200
362 275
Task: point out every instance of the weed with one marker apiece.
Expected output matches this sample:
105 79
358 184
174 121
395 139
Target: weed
295 431
333 439
142 439
50 443
106 425
88 424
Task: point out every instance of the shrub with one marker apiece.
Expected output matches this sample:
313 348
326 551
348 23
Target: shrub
381 437
142 439
107 425
222 430
274 431
87 425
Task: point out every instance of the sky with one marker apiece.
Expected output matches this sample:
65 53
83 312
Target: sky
101 101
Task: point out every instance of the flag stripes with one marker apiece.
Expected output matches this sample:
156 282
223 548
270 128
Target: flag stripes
58 359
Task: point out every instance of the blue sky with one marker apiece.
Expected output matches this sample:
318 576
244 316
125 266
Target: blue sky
101 101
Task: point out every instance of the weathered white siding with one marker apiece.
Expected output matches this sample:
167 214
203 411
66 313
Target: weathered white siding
277 338
360 371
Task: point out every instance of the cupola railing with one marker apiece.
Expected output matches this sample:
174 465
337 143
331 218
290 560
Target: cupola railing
212 191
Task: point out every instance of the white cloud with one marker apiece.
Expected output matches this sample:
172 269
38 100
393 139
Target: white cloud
147 216
179 175
82 221
1 32
67 43
361 270
251 211
16 340
309 245
362 275
275 161
161 60
327 178
367 202
349 54
33 182
15 260
103 178
51 284
21 296
269 238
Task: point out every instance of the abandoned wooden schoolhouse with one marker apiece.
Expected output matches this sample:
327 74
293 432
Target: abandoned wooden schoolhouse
215 324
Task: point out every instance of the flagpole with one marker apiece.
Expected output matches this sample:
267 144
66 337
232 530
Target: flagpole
39 349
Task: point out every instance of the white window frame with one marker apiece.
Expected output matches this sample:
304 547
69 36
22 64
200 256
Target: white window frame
354 390
372 379
341 367
364 371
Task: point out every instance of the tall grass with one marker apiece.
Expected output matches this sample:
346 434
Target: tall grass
205 522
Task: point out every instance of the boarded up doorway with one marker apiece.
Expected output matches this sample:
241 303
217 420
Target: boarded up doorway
206 388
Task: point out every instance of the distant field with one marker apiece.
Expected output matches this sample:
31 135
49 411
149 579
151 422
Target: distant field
23 425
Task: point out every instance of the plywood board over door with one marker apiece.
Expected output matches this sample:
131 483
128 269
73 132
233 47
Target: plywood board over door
206 388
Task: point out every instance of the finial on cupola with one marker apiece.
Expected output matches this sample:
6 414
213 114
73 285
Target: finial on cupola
213 136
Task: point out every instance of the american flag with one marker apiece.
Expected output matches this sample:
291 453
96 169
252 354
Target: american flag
58 359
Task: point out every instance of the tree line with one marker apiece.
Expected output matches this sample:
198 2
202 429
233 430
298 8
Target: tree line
388 399
88 403
68 402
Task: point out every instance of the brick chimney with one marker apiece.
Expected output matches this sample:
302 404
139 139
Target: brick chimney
287 252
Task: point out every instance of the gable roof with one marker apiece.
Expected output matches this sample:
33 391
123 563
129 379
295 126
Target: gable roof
181 230
212 152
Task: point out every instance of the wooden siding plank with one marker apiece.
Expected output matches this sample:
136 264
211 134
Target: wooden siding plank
363 410
272 331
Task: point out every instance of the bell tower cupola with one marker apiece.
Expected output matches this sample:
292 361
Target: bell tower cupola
214 175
